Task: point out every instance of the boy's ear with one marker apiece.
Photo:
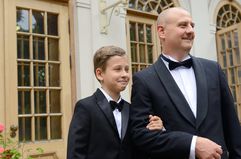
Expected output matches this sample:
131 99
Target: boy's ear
161 31
98 73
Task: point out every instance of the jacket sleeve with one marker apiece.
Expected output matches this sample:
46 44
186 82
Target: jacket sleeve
231 125
168 144
79 130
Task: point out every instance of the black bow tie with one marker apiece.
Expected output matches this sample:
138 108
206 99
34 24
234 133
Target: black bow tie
114 105
172 64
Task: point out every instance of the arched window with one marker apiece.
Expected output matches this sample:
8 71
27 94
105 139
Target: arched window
155 6
143 43
228 38
228 15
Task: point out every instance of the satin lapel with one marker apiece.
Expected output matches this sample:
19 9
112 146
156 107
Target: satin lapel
174 92
202 91
106 109
125 119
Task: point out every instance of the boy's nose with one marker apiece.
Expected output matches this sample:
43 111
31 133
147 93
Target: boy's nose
125 73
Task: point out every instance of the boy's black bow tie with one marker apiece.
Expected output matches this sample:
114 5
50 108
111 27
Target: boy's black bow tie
115 105
172 64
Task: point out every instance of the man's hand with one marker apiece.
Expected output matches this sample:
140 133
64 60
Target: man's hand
207 149
155 123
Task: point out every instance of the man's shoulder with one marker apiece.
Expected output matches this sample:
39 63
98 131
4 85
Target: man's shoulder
146 71
205 61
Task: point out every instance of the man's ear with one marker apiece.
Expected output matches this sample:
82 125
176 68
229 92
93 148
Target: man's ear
98 73
161 31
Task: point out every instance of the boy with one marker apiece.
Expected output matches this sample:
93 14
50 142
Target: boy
99 127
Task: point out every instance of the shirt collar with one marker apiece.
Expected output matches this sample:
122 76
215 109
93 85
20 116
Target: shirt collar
171 58
107 96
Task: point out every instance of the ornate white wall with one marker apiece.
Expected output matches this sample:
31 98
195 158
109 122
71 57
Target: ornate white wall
89 38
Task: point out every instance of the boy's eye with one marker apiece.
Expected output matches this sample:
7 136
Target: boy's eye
127 69
117 68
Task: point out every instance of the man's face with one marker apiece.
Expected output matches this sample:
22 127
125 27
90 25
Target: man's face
178 32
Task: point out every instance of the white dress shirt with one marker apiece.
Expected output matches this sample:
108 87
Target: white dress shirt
116 112
186 81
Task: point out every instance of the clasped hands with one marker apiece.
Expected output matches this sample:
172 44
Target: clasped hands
205 148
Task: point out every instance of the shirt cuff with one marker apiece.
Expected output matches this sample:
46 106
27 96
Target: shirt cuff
192 148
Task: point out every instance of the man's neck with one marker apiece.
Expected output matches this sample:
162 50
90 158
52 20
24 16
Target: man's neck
176 56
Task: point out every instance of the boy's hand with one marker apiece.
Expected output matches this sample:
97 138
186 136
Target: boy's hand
155 123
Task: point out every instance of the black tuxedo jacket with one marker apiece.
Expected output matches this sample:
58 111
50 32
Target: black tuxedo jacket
155 92
93 132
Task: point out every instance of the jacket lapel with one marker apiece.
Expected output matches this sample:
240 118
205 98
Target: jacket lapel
174 92
202 91
106 109
125 119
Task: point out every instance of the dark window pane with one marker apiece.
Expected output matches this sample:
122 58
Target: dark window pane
231 58
38 22
24 102
23 47
133 31
22 20
133 52
39 74
134 68
142 53
54 101
150 53
23 74
38 48
40 101
40 128
148 34
231 71
224 60
229 40
56 131
24 129
54 75
239 75
141 32
53 49
237 53
223 43
52 24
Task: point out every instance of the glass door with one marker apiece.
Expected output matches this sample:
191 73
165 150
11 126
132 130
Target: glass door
39 86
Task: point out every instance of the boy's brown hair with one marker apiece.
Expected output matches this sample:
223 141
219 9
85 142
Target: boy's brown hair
103 54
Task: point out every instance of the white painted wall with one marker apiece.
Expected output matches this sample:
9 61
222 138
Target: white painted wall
90 39
84 43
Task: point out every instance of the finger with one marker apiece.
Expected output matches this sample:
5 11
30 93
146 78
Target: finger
217 156
155 118
219 150
155 125
154 128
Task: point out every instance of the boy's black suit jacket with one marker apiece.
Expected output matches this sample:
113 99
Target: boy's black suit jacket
93 133
155 92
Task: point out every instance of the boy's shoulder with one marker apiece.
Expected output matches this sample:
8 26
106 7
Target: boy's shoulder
87 101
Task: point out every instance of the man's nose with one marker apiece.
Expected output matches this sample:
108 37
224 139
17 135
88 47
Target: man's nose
190 29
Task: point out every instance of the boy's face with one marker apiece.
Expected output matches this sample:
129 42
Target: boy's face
115 77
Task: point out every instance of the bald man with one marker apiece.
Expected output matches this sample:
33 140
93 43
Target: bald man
190 94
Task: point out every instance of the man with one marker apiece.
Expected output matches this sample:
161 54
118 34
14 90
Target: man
190 95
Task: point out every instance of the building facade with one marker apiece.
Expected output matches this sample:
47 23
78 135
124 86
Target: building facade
47 46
